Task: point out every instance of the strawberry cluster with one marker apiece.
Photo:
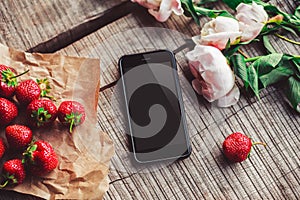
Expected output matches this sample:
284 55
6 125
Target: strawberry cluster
29 156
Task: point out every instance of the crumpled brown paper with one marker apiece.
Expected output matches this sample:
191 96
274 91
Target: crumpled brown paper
84 155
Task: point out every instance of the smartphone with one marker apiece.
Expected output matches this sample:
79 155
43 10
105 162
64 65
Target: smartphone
154 106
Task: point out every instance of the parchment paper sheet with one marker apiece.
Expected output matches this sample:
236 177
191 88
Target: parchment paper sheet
84 155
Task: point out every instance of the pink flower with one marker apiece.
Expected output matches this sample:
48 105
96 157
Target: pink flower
252 19
161 9
218 31
213 76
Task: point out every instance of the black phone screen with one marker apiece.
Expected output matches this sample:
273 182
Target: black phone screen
154 106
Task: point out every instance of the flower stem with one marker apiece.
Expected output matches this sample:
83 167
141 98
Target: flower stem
252 59
201 9
21 74
287 39
206 11
260 143
4 184
243 54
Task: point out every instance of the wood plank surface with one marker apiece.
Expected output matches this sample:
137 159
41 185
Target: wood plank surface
26 24
270 173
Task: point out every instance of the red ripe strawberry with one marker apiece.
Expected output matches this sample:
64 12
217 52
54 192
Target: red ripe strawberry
2 147
8 111
8 82
18 136
41 112
40 158
13 172
237 147
71 113
27 91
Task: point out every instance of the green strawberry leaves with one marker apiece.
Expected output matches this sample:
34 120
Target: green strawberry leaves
45 87
9 78
28 154
73 119
41 115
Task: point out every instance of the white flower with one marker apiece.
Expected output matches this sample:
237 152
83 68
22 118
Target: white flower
213 76
161 9
218 31
252 19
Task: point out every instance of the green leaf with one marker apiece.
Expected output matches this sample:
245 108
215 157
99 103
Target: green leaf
228 52
289 29
296 61
252 72
260 72
202 2
234 3
276 75
240 68
212 13
268 45
297 12
271 60
189 10
225 14
289 21
268 30
292 92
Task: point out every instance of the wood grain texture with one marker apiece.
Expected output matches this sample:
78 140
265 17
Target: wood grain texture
25 24
270 173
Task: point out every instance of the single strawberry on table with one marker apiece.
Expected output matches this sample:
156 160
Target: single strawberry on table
41 112
71 113
2 147
40 158
237 147
18 136
8 111
27 91
13 173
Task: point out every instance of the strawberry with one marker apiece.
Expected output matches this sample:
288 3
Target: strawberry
237 147
18 136
71 113
40 158
2 148
27 91
45 87
8 82
41 112
13 172
8 111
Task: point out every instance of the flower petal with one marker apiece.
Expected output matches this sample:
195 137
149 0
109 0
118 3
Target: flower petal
252 19
231 98
219 31
214 76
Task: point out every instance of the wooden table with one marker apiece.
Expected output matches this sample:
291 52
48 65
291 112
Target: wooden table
102 29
